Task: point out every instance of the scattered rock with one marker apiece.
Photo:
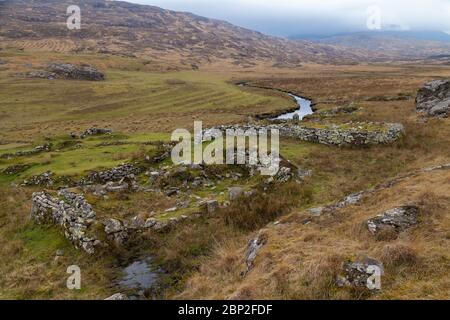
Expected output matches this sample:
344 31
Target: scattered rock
254 246
74 72
45 180
118 296
352 199
357 274
433 98
209 206
316 212
284 174
398 219
15 169
235 193
116 231
94 132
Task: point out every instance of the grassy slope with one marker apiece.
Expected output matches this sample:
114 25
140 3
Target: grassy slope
133 100
301 261
130 100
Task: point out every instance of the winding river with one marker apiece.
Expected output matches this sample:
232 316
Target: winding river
305 105
304 109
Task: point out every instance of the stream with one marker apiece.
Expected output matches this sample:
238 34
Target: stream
304 109
138 277
305 105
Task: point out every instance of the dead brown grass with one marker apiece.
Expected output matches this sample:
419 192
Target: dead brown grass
301 261
30 268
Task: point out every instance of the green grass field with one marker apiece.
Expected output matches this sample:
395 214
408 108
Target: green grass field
131 99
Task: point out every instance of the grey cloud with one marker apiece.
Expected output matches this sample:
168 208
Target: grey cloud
288 17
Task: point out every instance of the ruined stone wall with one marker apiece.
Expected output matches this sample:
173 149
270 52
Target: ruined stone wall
354 134
71 211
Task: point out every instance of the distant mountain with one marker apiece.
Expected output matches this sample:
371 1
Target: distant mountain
121 28
407 44
418 35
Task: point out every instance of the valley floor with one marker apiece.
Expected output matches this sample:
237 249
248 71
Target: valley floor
206 258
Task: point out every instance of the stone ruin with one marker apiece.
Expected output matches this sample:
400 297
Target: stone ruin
70 211
68 71
95 131
340 135
123 172
45 179
76 217
47 147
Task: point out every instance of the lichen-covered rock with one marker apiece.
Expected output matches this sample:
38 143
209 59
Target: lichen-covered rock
123 173
209 206
74 72
235 193
116 231
118 296
433 99
95 131
359 273
254 246
356 134
45 180
398 219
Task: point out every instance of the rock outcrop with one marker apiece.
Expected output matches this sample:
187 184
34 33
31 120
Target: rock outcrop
396 219
357 274
433 99
68 71
254 246
71 212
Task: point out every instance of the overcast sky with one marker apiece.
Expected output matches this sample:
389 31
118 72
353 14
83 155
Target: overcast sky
291 17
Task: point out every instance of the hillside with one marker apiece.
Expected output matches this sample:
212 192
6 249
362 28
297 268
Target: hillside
153 33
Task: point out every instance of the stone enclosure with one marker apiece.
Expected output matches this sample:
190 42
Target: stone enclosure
351 134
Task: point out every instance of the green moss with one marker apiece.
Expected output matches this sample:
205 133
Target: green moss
41 242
